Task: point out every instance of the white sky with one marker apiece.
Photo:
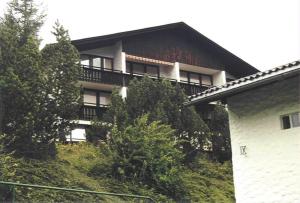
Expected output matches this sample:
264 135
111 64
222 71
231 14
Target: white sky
265 33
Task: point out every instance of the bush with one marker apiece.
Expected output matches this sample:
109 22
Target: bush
145 153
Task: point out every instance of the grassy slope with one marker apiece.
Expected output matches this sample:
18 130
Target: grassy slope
208 182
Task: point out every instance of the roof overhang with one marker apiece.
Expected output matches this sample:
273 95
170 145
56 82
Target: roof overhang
247 84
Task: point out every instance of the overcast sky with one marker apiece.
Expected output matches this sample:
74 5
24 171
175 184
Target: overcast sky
265 33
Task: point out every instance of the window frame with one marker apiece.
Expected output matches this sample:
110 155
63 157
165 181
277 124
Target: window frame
199 76
145 65
98 93
289 115
91 57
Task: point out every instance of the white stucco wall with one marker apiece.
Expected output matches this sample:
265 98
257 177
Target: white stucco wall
118 64
170 72
219 78
270 171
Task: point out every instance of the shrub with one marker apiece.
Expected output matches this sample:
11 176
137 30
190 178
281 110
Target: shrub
145 153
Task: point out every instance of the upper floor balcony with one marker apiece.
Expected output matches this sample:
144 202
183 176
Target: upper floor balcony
117 78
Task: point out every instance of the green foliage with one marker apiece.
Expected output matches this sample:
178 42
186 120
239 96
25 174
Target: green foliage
62 101
206 181
38 92
209 181
117 113
220 139
163 102
21 78
145 152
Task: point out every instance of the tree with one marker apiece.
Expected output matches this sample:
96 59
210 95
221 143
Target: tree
21 78
163 102
220 139
36 107
145 153
63 99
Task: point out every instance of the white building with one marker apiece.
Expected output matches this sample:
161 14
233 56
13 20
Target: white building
175 52
264 114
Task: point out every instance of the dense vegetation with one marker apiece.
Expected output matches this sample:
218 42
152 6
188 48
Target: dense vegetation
39 95
75 165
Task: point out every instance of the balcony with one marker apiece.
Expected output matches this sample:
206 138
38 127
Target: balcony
193 88
89 113
101 75
116 77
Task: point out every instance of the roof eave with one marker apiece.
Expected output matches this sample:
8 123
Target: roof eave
230 92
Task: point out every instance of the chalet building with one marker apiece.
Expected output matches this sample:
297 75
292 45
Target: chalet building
175 52
264 120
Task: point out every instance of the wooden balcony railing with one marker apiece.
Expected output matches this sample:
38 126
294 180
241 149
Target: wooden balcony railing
92 112
192 88
116 77
102 75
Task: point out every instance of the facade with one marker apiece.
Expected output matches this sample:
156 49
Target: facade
264 114
175 52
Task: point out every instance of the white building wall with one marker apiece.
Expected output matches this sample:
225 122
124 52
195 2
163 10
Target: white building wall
219 78
270 171
169 72
118 56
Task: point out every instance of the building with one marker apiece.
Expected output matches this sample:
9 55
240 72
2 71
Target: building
175 52
264 120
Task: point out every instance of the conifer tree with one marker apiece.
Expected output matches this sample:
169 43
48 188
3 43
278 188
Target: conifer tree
36 107
62 65
162 102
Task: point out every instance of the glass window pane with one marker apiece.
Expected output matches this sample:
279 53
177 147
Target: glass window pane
104 98
84 60
128 67
286 122
89 98
138 68
107 63
194 78
183 76
206 80
295 119
97 62
152 70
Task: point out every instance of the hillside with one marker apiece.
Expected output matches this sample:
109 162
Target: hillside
82 166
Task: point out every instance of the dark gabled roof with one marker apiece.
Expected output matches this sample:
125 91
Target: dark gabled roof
230 60
246 83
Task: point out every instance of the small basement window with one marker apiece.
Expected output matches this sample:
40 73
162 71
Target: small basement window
290 120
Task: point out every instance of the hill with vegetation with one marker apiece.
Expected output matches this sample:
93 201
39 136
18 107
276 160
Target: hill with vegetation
205 181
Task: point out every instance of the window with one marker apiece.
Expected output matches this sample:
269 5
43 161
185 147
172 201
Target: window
84 60
206 80
152 70
89 98
290 120
108 63
104 98
194 78
197 78
295 119
128 67
141 69
184 76
138 68
96 98
96 61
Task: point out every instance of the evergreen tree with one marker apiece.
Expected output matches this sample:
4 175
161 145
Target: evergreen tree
62 102
220 138
21 78
38 89
163 102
